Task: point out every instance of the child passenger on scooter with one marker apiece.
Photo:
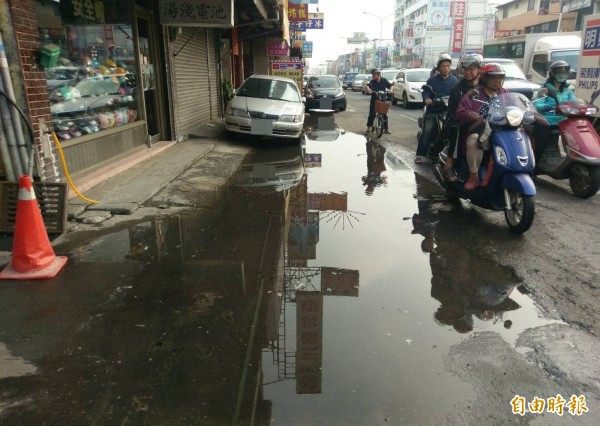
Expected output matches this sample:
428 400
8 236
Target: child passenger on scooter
470 113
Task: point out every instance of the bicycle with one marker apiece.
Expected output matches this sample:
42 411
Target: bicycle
382 106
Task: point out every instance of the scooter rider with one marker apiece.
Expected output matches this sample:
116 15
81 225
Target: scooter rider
557 82
470 64
375 85
441 84
470 112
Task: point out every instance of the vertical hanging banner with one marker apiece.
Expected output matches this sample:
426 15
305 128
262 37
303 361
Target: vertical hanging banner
458 35
309 342
458 9
588 75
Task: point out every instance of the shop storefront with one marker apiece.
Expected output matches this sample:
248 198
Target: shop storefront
111 77
102 65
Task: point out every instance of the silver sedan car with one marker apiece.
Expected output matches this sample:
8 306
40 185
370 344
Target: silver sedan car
266 106
357 83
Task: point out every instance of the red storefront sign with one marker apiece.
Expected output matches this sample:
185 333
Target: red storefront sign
458 35
278 48
297 12
458 9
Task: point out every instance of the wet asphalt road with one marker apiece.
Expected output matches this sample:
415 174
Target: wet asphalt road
335 290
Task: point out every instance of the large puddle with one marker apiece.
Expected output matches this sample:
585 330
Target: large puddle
330 289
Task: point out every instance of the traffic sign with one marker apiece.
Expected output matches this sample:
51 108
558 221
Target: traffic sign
409 43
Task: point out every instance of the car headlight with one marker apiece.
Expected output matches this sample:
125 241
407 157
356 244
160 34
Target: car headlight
290 118
237 112
514 117
339 94
501 155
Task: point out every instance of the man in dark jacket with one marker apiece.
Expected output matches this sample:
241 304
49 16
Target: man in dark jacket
375 85
470 64
441 84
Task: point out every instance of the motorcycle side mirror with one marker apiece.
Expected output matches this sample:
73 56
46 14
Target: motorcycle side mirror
473 94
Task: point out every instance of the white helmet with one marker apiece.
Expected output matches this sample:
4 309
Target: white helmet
444 57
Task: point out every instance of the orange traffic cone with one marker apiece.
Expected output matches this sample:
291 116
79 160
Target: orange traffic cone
33 257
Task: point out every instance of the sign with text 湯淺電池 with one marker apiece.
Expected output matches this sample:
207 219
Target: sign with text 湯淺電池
200 13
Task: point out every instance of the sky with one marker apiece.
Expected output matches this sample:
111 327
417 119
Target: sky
343 18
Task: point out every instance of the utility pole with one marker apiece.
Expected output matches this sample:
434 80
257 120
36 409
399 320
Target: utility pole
380 32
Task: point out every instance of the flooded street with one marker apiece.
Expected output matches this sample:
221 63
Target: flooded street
394 300
331 286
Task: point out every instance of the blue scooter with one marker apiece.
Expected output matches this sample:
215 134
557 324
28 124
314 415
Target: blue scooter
507 167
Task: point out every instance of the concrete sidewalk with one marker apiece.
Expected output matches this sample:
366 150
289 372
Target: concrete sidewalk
122 187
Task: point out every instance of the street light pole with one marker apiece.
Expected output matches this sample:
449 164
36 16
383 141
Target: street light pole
380 30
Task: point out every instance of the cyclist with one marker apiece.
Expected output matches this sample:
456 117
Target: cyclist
375 85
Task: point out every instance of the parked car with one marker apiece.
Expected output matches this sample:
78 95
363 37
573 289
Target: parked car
347 80
323 87
357 83
408 86
514 81
266 105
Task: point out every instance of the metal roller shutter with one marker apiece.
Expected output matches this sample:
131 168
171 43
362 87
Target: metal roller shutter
195 80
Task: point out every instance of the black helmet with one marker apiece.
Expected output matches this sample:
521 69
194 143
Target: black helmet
471 59
444 57
557 66
375 70
492 68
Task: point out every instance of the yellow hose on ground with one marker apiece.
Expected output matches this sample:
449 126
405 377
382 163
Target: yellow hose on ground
64 163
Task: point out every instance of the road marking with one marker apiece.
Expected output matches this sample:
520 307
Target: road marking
409 117
349 109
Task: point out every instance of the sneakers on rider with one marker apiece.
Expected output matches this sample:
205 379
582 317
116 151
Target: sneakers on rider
387 132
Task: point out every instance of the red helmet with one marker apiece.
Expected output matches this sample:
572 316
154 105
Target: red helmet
492 68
